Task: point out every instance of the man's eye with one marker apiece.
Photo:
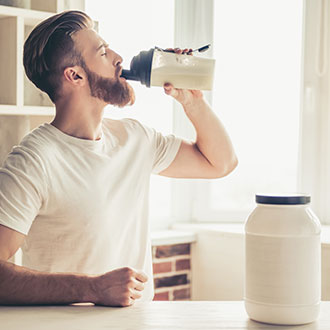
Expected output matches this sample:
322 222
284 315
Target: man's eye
104 54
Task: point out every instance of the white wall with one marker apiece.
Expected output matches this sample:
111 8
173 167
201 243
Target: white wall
217 266
12 130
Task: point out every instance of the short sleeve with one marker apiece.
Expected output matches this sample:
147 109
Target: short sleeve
22 183
163 148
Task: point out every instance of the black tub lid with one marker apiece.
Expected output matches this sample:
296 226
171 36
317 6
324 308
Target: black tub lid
283 199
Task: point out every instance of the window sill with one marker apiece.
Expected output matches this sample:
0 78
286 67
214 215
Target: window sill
235 229
170 237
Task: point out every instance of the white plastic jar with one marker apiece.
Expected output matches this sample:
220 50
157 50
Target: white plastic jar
282 261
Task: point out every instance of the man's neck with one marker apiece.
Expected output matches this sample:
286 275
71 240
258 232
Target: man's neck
81 118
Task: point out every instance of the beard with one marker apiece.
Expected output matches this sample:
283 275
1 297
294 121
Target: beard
113 91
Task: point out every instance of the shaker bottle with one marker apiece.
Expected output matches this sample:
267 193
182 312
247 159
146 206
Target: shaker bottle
157 66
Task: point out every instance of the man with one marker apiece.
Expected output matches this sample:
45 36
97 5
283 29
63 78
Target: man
74 193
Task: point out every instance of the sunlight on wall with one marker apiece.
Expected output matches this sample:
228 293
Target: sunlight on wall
129 27
258 46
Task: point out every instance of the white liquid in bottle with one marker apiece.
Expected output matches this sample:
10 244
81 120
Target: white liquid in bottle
182 71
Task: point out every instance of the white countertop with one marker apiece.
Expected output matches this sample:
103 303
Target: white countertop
154 315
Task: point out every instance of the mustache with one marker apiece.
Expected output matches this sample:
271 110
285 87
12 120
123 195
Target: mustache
118 71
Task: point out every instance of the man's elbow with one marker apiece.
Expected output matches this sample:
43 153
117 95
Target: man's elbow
227 168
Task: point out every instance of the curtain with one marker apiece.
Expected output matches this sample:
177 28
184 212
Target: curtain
314 158
193 29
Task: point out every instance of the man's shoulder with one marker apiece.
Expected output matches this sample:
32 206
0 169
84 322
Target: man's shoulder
124 122
38 142
27 156
127 126
38 134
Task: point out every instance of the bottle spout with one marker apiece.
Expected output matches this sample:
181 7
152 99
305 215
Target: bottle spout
140 68
129 75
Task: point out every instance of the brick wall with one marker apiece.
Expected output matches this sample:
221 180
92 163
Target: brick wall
172 271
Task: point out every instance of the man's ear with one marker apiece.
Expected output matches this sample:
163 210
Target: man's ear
75 75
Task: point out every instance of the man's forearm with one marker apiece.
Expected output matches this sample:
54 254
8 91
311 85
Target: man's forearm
22 286
212 139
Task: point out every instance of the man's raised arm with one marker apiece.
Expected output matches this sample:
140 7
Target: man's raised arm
212 154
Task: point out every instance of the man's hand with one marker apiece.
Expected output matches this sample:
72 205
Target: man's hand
183 96
186 97
119 287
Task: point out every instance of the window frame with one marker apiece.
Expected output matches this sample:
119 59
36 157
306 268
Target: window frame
189 197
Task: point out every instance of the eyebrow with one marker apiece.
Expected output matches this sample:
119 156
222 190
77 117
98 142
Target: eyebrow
102 45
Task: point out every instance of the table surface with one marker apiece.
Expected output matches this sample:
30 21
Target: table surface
200 315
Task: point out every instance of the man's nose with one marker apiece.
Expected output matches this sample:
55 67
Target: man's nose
118 60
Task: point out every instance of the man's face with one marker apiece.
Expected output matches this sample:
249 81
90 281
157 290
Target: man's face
103 69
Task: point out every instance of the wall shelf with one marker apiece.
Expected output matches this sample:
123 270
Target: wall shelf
26 110
31 17
18 96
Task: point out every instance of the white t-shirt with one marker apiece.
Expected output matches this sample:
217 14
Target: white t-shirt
83 204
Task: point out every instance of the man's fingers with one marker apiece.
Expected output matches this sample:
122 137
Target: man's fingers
187 51
130 302
141 276
170 90
135 294
139 286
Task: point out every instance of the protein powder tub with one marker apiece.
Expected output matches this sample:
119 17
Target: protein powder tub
282 260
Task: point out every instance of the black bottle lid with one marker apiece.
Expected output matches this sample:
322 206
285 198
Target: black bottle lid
140 68
283 199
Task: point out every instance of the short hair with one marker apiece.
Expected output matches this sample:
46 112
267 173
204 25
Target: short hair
49 49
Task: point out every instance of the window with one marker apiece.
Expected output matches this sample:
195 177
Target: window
257 45
129 27
258 49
